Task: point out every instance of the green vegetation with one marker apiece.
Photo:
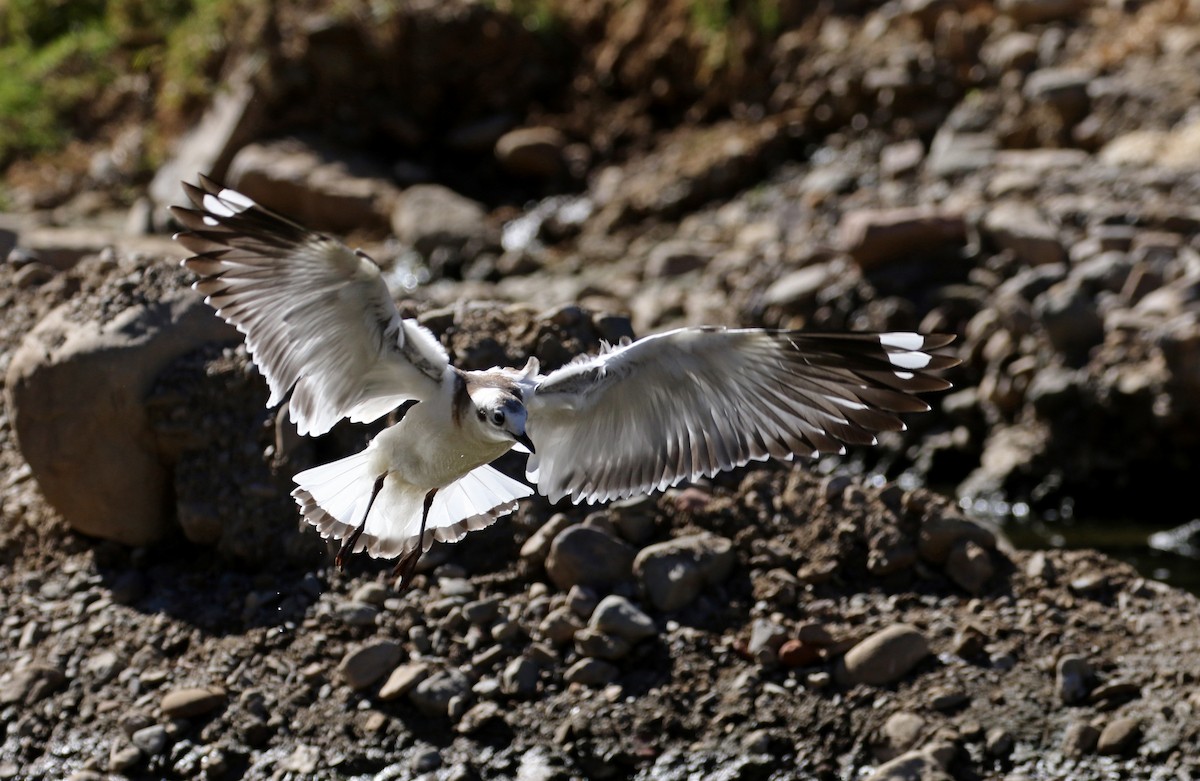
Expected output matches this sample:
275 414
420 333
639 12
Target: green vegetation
60 63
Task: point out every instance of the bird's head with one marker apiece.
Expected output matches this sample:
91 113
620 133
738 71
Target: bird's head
499 413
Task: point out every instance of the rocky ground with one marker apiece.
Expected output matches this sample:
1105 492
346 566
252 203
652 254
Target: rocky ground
1022 174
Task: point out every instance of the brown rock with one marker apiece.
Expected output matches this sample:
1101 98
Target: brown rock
875 237
1120 736
585 556
970 566
532 151
189 703
884 657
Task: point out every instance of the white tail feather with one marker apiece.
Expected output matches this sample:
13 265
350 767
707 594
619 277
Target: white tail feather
333 498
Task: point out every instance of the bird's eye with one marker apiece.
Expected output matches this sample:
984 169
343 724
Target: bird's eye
480 413
498 417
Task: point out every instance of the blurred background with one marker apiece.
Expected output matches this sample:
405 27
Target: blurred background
1020 172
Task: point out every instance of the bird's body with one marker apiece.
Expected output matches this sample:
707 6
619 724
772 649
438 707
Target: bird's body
640 416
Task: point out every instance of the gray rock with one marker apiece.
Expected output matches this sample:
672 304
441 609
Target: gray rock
75 395
1070 318
583 555
429 217
884 657
402 680
364 666
958 152
560 625
999 743
598 645
537 547
191 702
675 258
672 573
616 615
123 756
353 613
432 696
591 672
1039 567
371 594
520 677
799 288
104 666
151 740
1073 679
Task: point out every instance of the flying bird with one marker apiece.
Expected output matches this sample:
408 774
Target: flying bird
638 417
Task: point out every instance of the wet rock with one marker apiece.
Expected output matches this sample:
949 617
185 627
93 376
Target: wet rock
672 573
616 615
432 695
75 394
875 237
586 556
1073 679
364 666
1119 736
532 151
191 702
884 657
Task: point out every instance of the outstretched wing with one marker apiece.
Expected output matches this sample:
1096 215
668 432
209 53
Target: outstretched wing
696 401
317 315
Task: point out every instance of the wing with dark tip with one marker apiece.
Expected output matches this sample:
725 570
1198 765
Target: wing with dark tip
696 401
317 315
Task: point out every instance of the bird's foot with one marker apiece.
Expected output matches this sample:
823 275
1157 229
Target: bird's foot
406 568
347 548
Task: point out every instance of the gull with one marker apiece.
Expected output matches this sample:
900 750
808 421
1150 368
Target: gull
638 417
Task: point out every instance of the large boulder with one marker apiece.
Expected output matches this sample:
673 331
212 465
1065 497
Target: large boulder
75 390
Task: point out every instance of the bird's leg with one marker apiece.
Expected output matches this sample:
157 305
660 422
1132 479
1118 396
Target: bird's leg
406 568
351 540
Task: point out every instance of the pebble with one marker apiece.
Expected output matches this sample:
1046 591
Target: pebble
520 677
999 743
1073 679
583 555
1119 736
635 518
371 594
939 535
970 566
477 717
884 657
616 615
537 547
797 653
593 673
1039 567
352 613
150 740
875 237
30 683
599 645
192 702
903 730
672 573
364 666
402 680
582 601
532 151
123 756
560 625
433 694
1079 739
482 611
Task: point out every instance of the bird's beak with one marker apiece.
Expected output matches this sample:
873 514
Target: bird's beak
524 440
